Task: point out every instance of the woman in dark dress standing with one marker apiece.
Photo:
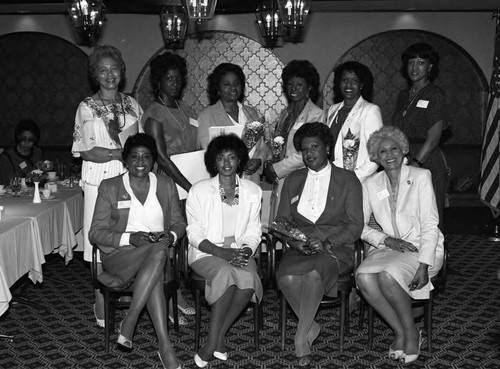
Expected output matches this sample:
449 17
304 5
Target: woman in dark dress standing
420 114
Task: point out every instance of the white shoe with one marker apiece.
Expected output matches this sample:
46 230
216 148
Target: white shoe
221 355
100 322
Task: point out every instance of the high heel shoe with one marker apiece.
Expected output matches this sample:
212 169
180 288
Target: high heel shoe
100 322
221 355
163 365
200 363
187 310
123 343
406 359
182 320
395 354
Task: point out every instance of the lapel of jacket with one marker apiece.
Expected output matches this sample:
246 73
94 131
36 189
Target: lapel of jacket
331 195
122 195
405 185
382 193
217 216
221 116
297 192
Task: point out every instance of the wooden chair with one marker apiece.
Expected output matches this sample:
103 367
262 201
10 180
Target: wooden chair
196 284
112 295
439 282
345 284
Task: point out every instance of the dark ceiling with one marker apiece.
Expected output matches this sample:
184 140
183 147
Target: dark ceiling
249 6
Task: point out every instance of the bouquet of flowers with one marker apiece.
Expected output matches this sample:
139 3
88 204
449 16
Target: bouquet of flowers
252 133
36 175
278 148
45 166
288 230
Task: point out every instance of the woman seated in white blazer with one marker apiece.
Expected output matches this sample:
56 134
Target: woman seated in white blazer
224 231
408 251
353 118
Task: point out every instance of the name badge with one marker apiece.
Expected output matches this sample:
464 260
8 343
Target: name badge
383 194
193 122
422 104
23 165
295 199
126 204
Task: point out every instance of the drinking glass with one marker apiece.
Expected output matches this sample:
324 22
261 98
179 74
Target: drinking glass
15 186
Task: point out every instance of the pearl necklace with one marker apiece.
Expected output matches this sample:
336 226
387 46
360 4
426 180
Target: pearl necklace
181 126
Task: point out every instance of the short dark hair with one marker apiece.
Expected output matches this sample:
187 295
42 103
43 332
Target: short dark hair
315 129
364 75
222 143
215 77
137 140
27 125
303 69
105 51
161 64
424 51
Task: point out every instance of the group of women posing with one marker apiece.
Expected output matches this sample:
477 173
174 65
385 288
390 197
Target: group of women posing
133 214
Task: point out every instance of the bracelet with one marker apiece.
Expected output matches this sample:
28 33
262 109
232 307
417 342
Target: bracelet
418 162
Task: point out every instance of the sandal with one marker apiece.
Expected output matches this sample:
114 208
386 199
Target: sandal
182 320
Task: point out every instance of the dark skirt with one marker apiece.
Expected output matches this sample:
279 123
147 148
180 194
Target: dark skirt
121 266
329 269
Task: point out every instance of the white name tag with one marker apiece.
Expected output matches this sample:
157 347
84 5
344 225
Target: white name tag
422 104
193 122
23 165
126 204
383 194
295 199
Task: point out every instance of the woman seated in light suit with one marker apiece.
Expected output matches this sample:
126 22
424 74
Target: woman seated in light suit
224 230
409 249
353 118
129 208
324 202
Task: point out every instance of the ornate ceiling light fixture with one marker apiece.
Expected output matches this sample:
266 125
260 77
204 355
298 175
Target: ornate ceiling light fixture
87 18
174 23
200 10
269 21
294 14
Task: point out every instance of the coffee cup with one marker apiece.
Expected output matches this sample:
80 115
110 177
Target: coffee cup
52 176
46 193
2 188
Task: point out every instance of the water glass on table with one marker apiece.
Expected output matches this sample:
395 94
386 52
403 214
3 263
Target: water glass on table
15 186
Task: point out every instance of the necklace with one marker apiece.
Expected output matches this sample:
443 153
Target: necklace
415 94
115 121
224 197
184 117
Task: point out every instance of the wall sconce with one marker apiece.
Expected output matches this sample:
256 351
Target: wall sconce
174 22
87 17
269 21
294 14
200 10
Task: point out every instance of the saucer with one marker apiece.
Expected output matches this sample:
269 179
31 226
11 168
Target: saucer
48 198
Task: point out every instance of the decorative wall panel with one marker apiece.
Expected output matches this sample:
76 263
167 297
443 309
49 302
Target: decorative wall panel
42 77
203 53
459 76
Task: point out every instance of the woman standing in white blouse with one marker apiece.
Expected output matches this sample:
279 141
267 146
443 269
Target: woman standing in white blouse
99 120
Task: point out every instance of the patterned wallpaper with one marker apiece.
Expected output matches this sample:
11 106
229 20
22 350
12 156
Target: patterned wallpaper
42 77
261 67
459 76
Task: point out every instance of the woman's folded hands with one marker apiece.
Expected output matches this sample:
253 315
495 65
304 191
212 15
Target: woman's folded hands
311 246
139 239
236 257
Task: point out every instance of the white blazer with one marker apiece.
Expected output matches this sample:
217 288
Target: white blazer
205 220
416 213
364 119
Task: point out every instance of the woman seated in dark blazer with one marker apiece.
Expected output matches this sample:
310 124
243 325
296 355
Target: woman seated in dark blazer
21 159
130 209
325 203
224 231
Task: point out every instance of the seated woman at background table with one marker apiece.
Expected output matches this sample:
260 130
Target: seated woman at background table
324 202
21 159
128 208
224 230
226 91
353 118
409 248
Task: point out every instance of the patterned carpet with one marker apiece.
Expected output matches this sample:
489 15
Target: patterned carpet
466 326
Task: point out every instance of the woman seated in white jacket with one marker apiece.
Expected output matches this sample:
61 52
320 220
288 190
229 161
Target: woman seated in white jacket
353 118
224 230
408 251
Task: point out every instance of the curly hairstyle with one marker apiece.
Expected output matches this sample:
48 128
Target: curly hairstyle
27 125
216 76
302 69
163 63
100 52
424 51
361 71
315 129
140 140
383 133
222 143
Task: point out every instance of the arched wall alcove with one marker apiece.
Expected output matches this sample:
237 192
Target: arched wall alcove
460 77
44 78
204 52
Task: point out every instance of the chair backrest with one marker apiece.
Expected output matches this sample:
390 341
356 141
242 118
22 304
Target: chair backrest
93 266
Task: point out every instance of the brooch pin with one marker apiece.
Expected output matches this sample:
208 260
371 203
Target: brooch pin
125 196
409 182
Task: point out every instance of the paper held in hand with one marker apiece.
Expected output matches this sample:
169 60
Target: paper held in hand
219 130
127 132
192 166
